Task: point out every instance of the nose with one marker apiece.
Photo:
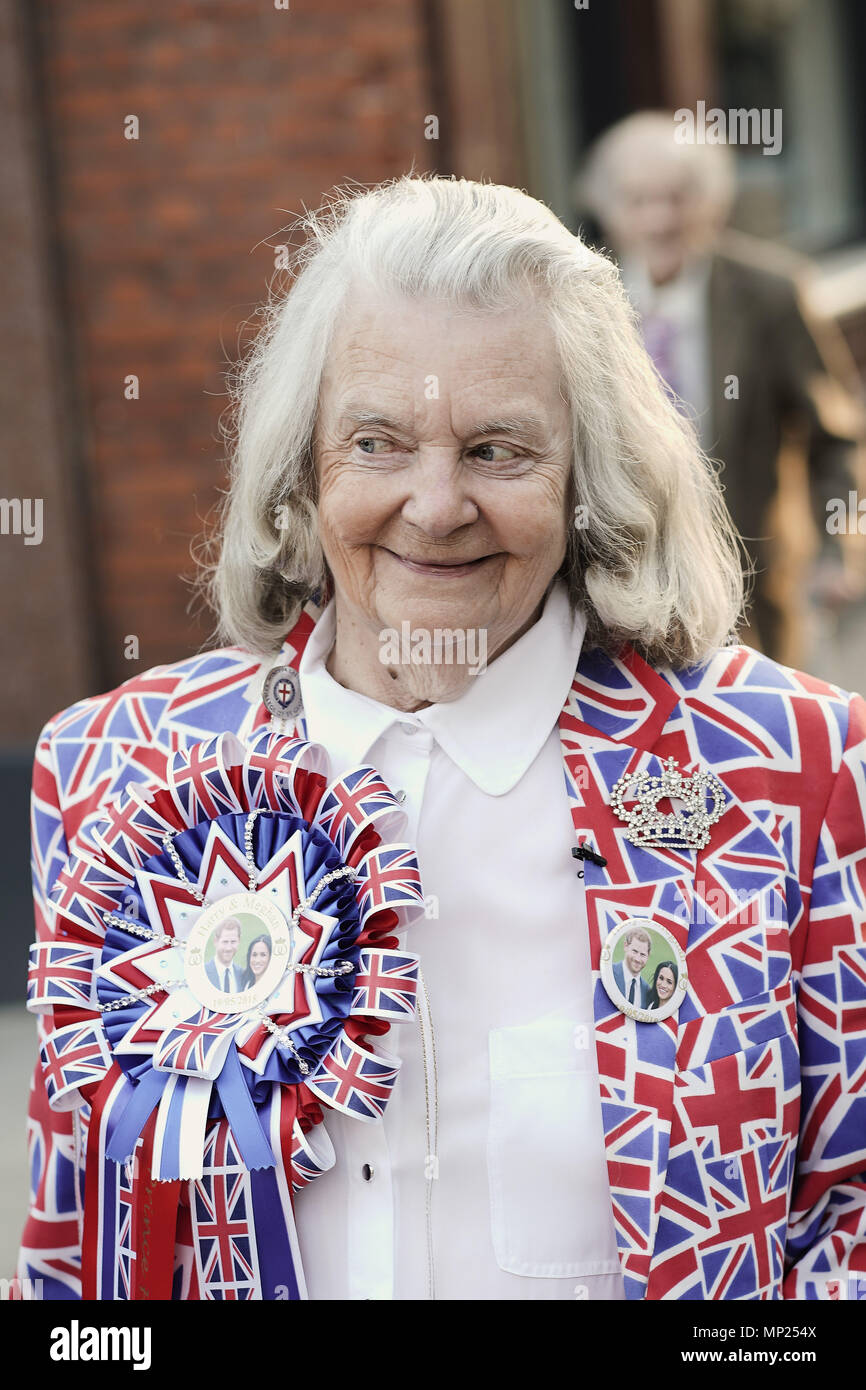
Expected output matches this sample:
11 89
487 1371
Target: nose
438 500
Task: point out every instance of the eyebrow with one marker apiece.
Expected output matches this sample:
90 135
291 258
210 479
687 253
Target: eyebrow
372 419
527 426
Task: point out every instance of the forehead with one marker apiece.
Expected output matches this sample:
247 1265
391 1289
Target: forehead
653 170
393 343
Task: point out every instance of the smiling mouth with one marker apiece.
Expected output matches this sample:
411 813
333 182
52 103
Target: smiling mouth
440 568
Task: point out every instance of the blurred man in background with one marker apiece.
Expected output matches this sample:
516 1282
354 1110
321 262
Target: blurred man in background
723 322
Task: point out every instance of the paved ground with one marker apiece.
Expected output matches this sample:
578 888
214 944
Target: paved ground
18 1053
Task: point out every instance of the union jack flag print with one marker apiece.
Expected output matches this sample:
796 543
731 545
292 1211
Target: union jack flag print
59 974
388 877
222 1218
123 1240
52 1246
200 784
84 892
747 1250
353 1080
196 1046
386 985
746 1105
351 802
72 1056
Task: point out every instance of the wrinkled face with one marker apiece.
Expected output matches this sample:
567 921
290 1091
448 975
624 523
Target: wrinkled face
636 954
227 944
658 214
665 984
259 957
443 452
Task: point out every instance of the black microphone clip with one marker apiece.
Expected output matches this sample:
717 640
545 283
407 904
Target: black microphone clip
584 852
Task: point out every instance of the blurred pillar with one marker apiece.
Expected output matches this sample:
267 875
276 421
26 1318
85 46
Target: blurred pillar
549 106
47 661
685 30
481 87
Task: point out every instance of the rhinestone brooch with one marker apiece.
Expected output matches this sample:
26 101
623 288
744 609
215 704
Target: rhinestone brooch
703 794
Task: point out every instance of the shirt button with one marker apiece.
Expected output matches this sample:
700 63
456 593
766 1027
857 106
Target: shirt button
409 729
367 1172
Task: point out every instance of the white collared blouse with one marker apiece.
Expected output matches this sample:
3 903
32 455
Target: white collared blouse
486 1177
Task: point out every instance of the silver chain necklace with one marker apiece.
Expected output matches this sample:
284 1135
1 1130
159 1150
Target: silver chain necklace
431 1163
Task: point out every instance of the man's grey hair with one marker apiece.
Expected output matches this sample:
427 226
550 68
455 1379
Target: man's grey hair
650 135
656 561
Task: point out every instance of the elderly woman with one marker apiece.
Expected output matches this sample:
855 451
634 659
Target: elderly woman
471 544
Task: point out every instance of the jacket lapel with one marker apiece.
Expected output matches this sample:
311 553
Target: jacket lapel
725 905
614 722
214 701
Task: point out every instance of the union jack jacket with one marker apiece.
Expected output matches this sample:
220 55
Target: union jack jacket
735 1129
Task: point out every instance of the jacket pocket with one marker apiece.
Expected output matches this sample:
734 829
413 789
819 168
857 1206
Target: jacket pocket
549 1195
746 1023
733 1101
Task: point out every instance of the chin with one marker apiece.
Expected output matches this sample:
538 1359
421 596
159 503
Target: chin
425 612
667 267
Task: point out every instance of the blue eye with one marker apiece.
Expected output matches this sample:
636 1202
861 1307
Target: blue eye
368 445
495 453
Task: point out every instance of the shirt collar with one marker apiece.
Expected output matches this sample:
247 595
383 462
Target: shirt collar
493 732
679 300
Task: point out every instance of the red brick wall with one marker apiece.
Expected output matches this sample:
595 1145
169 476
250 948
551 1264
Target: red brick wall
246 113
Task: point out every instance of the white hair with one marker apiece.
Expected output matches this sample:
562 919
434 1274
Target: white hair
652 135
657 561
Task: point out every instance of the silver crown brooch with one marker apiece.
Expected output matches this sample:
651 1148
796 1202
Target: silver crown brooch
647 825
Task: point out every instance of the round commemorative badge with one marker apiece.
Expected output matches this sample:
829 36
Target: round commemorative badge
281 692
212 953
643 970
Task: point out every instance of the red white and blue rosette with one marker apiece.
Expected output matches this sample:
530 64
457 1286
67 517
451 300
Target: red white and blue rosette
202 1085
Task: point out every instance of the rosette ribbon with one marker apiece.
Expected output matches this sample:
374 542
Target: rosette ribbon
200 1098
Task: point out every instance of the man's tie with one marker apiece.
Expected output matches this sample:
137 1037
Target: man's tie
630 992
659 336
226 986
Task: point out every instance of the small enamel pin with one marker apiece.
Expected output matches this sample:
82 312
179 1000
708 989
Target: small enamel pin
643 970
281 692
703 794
